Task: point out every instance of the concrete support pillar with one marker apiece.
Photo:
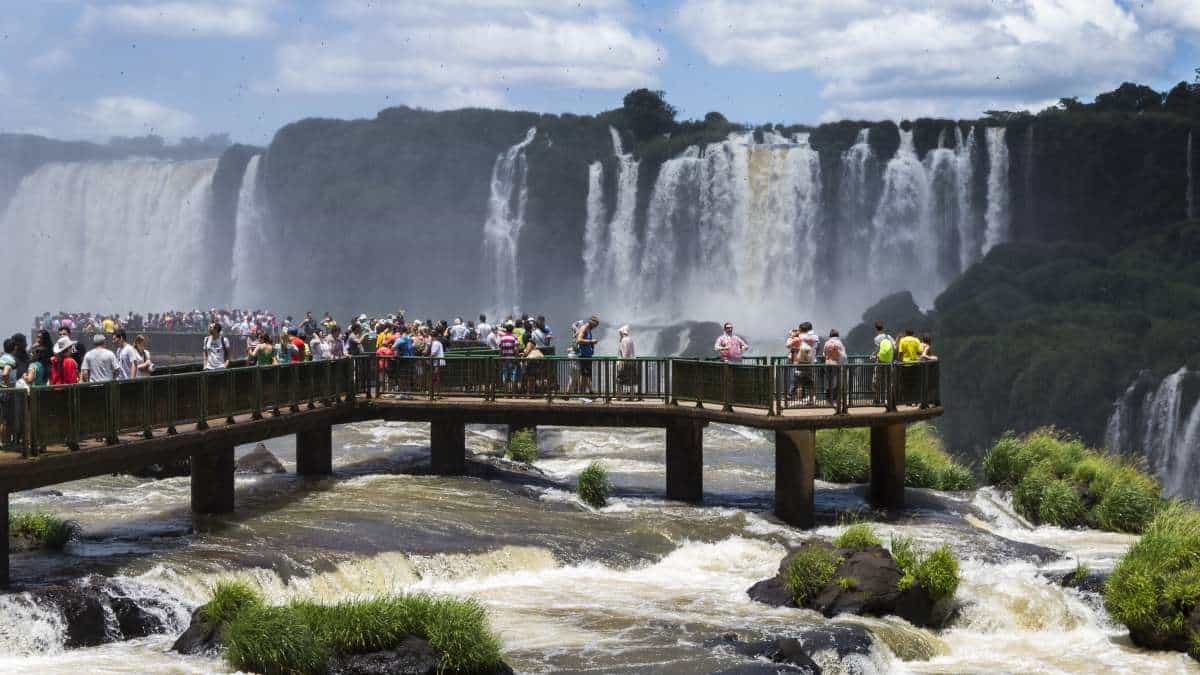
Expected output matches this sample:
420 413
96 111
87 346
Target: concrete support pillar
685 460
212 481
795 470
4 538
448 443
887 466
314 452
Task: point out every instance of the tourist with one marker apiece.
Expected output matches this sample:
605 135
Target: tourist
437 355
296 348
792 344
145 367
729 346
585 344
535 368
536 335
354 340
627 370
63 367
547 334
885 354
308 326
835 355
927 349
38 374
483 329
264 352
127 356
337 348
493 338
8 365
283 348
317 347
20 354
99 363
403 344
8 380
508 354
910 347
216 348
458 332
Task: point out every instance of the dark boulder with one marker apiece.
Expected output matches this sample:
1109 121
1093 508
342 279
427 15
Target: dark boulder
789 652
85 606
771 592
1088 582
413 656
259 460
201 637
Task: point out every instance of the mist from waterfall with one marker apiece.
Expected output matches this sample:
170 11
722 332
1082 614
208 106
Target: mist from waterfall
1191 187
122 235
252 238
1162 422
507 200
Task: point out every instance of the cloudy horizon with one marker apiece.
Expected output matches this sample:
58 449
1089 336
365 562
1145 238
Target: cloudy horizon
92 70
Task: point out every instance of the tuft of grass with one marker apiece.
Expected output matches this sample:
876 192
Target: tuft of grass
594 487
1128 503
843 455
273 641
228 598
846 583
1011 458
857 537
304 636
811 568
1027 497
47 529
1000 463
1078 574
1061 504
1156 585
522 447
938 573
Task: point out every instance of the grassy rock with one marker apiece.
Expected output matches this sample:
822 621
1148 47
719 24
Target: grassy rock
594 487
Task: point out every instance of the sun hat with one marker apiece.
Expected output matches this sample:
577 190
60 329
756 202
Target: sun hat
64 343
98 338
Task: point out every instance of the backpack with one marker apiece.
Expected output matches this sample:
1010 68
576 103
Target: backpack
804 353
887 350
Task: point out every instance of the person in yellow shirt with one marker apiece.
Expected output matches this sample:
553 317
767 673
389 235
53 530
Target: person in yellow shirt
109 325
910 347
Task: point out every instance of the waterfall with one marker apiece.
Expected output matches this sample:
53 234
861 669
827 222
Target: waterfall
672 209
968 232
594 233
123 235
998 218
903 243
622 250
1155 419
252 243
506 216
1191 190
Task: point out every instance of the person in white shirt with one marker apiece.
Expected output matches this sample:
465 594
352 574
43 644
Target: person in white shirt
127 357
216 349
483 329
99 364
318 347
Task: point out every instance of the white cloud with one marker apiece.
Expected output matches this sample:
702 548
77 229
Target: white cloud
1181 14
181 18
469 52
5 85
943 57
52 61
134 116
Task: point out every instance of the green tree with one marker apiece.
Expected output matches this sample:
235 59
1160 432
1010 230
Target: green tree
648 113
1130 97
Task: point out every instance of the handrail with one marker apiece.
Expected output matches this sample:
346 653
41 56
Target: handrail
72 414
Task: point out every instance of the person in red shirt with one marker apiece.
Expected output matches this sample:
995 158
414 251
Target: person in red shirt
297 349
63 368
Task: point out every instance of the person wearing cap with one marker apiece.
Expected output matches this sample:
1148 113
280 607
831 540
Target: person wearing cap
99 364
63 368
627 373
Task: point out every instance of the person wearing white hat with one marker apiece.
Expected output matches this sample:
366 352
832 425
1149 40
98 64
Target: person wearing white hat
627 372
63 368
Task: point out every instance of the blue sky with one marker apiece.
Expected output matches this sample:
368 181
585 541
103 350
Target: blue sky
191 67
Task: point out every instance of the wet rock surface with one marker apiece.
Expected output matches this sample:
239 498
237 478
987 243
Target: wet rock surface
173 469
794 654
95 611
259 461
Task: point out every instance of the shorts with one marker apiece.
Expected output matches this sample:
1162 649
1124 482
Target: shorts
585 366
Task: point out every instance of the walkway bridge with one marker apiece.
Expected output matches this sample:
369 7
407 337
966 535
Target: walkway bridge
78 431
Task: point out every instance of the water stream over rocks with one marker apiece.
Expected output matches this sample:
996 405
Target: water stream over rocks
642 585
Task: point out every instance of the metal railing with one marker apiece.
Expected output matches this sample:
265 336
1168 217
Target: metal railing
73 414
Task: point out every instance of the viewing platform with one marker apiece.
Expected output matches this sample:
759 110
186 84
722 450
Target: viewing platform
78 431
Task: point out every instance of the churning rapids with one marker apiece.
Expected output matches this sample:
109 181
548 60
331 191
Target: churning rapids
642 585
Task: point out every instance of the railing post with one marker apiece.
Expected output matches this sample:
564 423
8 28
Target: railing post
840 403
147 408
607 381
202 409
31 423
258 394
924 384
73 423
294 387
230 395
330 394
771 409
275 412
112 398
727 385
312 386
172 404
892 387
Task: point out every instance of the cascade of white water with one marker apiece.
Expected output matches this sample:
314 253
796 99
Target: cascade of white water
903 248
132 233
671 210
621 252
998 217
968 232
251 240
506 217
595 231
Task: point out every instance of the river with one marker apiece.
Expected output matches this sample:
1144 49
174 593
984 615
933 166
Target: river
642 585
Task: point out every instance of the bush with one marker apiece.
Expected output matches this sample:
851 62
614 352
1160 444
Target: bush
229 598
1000 463
302 637
1061 504
843 455
810 569
1156 585
1027 497
1128 504
46 529
1011 458
522 447
593 486
857 537
938 573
